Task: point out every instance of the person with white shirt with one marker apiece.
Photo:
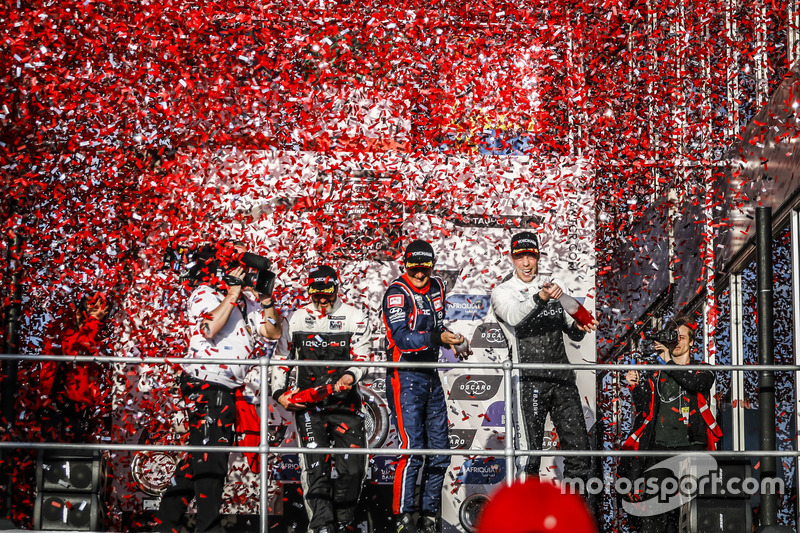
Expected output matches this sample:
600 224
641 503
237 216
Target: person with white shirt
225 322
534 324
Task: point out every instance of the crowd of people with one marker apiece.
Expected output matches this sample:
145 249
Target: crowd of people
228 313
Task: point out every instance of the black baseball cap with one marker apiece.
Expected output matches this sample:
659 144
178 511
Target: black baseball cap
419 254
525 242
322 279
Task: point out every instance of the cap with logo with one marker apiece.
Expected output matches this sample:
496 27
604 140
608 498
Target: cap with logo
419 254
322 279
525 242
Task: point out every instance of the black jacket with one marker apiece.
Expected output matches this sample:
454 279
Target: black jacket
692 382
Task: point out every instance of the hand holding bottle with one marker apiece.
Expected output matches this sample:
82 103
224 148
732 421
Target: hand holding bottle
295 399
583 318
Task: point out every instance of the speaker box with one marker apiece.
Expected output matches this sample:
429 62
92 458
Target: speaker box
68 511
737 469
77 471
716 515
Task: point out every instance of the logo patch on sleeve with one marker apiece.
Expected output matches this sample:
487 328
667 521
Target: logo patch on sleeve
395 300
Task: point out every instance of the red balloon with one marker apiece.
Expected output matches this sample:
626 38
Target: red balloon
534 506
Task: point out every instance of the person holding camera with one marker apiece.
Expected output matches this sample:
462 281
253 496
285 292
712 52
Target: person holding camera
413 313
225 319
672 412
534 323
325 400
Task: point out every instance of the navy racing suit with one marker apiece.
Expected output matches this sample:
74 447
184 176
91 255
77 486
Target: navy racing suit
414 320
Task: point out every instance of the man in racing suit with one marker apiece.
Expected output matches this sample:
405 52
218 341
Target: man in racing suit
534 323
327 330
413 313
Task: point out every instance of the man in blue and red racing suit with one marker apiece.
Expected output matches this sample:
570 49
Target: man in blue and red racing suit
534 323
413 313
327 329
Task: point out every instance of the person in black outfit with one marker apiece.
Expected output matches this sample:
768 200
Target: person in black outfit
327 329
534 323
680 420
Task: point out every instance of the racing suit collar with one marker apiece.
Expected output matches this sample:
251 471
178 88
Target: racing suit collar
411 286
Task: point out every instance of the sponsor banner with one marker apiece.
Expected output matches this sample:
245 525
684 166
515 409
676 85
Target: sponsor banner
461 439
382 468
468 306
488 335
477 387
482 471
287 468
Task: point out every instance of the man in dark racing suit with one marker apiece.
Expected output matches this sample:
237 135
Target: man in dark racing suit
327 330
534 323
413 313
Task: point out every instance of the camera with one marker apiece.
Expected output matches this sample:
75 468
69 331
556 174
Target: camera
667 337
262 280
200 262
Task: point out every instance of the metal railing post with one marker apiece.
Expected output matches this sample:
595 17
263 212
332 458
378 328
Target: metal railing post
510 446
263 449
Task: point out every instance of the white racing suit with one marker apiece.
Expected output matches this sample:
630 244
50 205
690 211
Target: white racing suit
534 330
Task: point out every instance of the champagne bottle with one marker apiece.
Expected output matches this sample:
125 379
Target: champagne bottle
462 349
312 395
576 310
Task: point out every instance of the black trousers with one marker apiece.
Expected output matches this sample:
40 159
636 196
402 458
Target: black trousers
331 501
212 415
560 398
663 522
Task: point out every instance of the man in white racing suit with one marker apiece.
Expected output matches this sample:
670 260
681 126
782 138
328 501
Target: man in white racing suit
327 330
534 324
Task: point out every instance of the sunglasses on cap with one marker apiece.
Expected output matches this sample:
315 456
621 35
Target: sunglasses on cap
534 251
322 291
419 266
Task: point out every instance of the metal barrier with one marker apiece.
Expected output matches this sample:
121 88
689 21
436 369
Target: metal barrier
509 452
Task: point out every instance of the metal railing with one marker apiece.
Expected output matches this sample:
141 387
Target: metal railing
509 452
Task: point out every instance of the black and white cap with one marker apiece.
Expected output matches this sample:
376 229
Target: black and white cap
525 242
419 254
322 279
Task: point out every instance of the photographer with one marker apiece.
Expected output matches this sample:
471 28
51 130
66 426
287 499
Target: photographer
671 413
224 319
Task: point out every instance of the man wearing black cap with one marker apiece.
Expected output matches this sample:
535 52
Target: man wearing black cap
534 323
326 330
413 313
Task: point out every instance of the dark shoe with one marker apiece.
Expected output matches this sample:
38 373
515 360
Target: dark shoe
345 528
428 524
405 523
